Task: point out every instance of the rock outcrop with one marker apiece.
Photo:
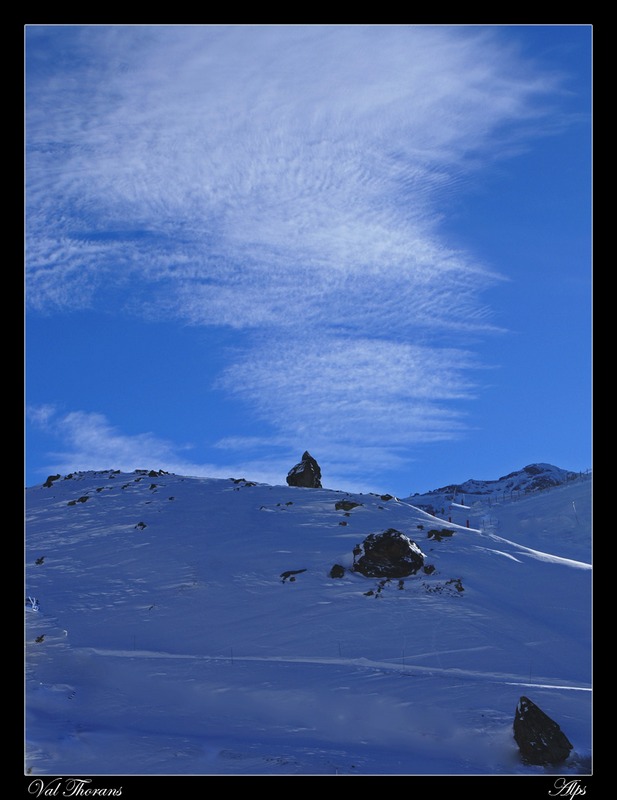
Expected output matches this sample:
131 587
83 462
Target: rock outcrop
307 473
540 740
390 554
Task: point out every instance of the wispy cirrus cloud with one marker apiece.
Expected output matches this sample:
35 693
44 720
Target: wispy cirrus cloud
91 442
355 399
279 179
246 157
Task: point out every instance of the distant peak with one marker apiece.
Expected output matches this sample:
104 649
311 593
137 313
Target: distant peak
531 478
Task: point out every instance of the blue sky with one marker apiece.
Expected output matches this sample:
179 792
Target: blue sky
371 242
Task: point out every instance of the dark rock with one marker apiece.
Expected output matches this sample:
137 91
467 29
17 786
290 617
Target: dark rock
337 571
83 499
540 740
345 505
288 574
307 473
390 554
439 535
50 480
243 481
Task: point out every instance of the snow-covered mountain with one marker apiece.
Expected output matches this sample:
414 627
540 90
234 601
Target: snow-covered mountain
532 478
191 626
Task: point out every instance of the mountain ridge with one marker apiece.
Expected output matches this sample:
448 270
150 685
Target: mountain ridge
533 477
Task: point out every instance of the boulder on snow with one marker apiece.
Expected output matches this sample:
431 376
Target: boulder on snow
346 505
390 554
307 473
540 740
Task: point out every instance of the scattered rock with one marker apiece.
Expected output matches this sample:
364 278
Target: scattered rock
453 588
50 480
79 500
40 560
288 574
439 535
140 526
390 554
307 473
337 571
540 740
345 505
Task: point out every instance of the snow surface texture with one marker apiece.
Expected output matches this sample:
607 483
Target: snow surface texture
190 626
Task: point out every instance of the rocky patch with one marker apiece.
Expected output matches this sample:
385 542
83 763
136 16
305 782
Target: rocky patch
390 554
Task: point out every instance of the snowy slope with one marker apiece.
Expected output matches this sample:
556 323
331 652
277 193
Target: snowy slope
169 640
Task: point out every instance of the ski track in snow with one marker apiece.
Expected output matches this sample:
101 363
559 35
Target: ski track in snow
362 663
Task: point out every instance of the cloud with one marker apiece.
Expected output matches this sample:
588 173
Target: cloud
248 159
280 180
91 442
336 385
